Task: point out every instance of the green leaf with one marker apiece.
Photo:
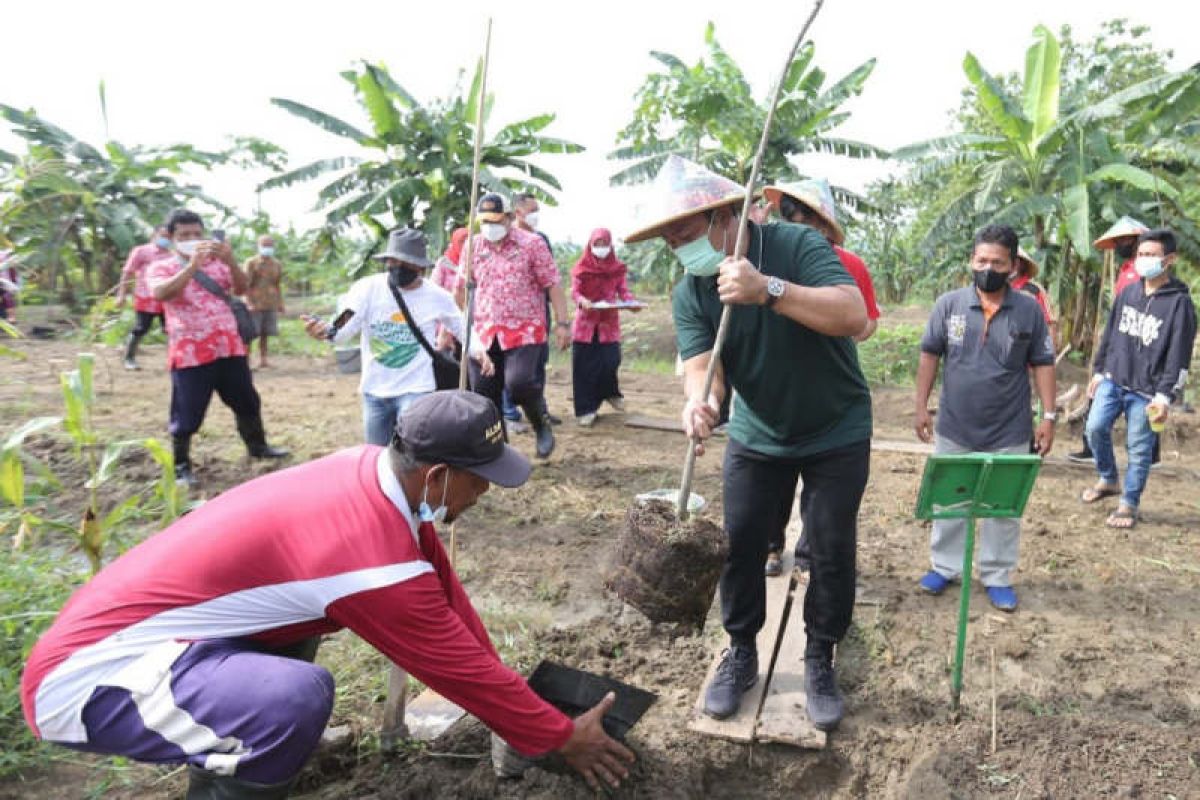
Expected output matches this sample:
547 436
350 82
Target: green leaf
35 425
378 104
86 366
1076 208
307 172
322 120
108 462
996 103
123 511
1042 82
1136 177
12 478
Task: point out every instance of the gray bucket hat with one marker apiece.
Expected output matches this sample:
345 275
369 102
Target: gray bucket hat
407 245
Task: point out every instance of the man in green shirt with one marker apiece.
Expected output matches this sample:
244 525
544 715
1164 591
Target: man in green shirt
802 410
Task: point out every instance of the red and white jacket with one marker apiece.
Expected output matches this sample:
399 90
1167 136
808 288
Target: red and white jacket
309 550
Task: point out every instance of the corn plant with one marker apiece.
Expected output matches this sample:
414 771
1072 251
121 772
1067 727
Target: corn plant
13 333
166 489
79 398
12 475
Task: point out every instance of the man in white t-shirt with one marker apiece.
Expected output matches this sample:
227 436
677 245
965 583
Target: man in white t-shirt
396 368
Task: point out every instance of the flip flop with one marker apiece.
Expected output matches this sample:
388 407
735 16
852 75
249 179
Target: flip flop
1123 518
1094 494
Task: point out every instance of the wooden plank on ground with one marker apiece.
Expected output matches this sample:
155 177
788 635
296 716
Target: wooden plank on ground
740 726
784 716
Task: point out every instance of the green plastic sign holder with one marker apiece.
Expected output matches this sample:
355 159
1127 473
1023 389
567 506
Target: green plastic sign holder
974 486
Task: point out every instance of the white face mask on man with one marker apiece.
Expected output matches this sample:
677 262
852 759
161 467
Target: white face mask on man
494 231
187 249
531 219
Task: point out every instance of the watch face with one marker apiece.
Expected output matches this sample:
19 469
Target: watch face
774 287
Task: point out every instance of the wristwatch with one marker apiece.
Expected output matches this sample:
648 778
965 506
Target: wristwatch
1050 415
775 289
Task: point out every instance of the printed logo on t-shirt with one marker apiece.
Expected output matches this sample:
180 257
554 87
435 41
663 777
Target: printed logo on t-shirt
393 343
1140 325
956 328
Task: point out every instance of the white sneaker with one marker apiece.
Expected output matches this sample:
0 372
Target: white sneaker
617 403
587 420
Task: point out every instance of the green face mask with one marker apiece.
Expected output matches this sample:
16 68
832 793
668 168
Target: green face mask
699 258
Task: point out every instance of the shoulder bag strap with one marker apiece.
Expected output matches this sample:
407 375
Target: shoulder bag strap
408 317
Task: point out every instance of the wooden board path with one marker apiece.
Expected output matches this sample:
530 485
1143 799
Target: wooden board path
775 708
740 726
784 716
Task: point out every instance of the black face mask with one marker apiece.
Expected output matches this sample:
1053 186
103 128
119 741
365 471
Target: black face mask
987 280
403 276
1125 251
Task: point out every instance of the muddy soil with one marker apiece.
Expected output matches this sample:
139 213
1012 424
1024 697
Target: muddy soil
1093 678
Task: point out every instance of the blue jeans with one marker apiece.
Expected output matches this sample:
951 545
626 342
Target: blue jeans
380 415
1109 403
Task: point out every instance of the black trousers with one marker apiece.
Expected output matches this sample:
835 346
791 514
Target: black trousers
145 321
594 368
192 389
758 500
516 370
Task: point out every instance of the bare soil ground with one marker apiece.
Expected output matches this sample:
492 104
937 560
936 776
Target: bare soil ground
1095 675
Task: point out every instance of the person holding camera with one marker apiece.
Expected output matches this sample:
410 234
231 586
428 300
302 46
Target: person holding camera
205 351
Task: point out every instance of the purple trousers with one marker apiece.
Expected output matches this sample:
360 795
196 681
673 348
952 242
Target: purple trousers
228 708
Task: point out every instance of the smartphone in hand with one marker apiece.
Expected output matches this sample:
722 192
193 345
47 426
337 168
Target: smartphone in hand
218 235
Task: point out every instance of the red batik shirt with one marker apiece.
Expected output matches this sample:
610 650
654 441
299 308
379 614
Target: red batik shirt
511 278
200 326
139 259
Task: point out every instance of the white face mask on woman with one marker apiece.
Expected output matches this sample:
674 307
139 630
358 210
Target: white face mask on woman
494 231
600 251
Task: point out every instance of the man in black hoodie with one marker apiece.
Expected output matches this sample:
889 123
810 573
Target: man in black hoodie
1140 369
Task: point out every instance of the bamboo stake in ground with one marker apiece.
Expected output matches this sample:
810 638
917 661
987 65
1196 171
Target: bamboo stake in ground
689 464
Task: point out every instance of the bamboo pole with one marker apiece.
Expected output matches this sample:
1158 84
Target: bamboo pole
468 272
689 464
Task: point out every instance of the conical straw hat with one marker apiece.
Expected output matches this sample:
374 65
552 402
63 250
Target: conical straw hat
814 193
1122 228
681 188
1031 266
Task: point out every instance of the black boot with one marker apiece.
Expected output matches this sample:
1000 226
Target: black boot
182 447
205 785
251 430
539 418
131 346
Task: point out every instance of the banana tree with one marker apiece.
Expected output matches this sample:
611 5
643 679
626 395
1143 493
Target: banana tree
413 164
1049 172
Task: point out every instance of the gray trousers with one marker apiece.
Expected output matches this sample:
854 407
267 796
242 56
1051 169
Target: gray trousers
996 540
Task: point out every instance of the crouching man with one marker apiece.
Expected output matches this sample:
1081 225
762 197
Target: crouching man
192 646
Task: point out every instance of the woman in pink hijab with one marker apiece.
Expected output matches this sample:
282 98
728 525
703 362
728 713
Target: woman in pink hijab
598 277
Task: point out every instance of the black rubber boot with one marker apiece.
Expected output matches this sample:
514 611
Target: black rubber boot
182 448
131 346
205 785
539 418
250 428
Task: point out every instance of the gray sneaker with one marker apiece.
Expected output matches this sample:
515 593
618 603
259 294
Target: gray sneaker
737 672
825 704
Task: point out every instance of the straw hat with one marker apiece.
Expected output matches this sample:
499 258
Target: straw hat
813 193
681 188
1031 266
1121 229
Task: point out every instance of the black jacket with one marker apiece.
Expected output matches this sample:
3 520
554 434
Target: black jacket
1148 340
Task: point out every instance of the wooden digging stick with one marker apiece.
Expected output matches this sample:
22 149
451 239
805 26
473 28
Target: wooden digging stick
689 463
393 726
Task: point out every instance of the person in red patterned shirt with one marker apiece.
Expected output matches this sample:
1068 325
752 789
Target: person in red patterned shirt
204 351
144 305
513 269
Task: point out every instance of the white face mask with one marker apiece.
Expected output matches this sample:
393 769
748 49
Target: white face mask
1149 266
531 219
601 252
494 231
434 515
187 249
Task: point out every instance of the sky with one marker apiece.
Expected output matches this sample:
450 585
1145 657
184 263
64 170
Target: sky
201 72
